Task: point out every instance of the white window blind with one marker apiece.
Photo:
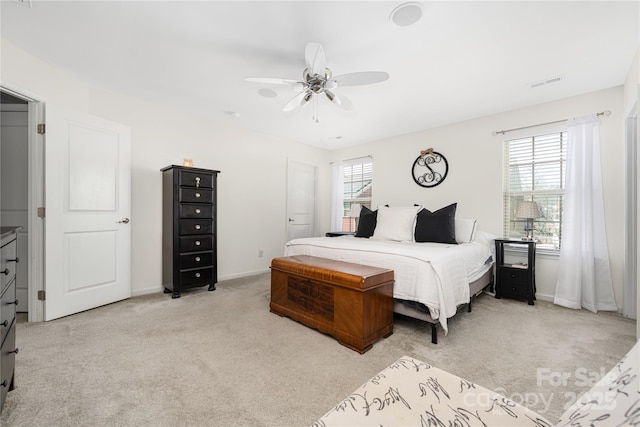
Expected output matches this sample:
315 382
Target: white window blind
535 170
358 185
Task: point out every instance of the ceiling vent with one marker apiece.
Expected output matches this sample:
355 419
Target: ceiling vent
546 82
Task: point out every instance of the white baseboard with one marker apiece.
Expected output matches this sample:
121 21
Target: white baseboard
245 274
160 288
147 291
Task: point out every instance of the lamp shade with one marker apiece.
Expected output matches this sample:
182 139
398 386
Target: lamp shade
528 209
354 212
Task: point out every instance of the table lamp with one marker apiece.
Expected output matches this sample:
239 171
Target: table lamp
354 212
529 210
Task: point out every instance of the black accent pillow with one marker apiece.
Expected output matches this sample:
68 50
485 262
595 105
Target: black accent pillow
367 222
438 226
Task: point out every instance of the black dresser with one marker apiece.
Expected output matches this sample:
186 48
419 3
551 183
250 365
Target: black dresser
8 304
189 250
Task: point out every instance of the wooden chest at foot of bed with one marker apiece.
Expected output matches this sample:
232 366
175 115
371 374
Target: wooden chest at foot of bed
351 302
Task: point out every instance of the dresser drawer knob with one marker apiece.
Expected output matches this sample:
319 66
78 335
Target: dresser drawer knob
197 195
6 272
5 323
197 259
198 227
14 260
197 211
197 274
197 242
197 181
3 383
15 351
15 302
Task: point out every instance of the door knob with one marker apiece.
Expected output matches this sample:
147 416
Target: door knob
291 220
124 221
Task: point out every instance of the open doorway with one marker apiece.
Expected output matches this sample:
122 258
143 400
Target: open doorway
21 193
14 179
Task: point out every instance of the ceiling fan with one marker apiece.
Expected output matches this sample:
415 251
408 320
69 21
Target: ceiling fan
318 80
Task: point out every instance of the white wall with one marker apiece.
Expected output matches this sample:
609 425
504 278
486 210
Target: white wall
475 170
252 194
252 182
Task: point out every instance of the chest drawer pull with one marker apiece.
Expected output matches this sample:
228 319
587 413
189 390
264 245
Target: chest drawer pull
197 181
14 260
15 302
197 259
197 227
3 383
197 195
4 324
197 274
198 211
197 242
6 272
15 351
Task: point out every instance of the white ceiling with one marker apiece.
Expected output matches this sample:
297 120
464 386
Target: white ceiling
461 60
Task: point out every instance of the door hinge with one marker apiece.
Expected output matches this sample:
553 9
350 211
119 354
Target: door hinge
41 128
41 296
41 212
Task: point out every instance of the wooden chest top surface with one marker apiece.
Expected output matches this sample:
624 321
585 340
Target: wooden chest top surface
339 273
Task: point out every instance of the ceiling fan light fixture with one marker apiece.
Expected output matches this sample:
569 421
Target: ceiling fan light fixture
406 14
267 93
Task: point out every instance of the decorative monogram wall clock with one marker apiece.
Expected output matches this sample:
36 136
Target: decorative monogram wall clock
430 168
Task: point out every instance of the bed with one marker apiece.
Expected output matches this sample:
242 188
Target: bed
432 278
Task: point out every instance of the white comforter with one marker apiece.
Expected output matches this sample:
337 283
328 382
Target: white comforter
435 274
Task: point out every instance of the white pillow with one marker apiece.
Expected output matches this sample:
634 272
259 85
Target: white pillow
396 223
465 230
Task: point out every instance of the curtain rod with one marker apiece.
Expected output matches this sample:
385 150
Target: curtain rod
605 113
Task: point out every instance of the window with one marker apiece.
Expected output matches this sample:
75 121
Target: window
358 183
535 169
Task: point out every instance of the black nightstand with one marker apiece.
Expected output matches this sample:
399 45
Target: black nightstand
517 281
340 233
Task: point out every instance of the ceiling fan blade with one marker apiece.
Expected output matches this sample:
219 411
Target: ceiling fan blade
271 80
315 58
361 78
341 101
300 100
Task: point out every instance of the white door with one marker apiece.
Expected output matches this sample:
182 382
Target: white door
301 200
88 205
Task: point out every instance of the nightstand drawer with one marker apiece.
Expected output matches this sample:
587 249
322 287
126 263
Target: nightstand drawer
515 290
195 226
195 243
196 211
196 260
7 310
196 277
196 195
195 179
8 256
514 275
7 363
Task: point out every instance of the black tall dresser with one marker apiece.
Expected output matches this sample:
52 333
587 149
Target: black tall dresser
189 249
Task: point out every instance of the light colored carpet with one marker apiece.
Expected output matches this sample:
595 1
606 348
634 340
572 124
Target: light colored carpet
222 359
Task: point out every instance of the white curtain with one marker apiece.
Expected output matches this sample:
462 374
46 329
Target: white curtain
584 276
337 199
